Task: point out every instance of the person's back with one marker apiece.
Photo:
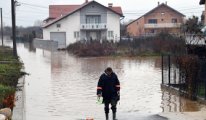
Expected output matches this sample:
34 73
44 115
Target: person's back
109 87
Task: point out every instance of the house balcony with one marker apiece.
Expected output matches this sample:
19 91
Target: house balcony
163 25
96 26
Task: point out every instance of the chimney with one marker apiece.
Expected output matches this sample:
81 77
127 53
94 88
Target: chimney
166 3
110 5
86 1
158 3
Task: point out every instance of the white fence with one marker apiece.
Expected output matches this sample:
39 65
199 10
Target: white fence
97 26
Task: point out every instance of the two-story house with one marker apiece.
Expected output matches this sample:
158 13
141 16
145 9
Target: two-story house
161 18
88 21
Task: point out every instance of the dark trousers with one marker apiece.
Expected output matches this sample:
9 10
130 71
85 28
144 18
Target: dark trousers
113 106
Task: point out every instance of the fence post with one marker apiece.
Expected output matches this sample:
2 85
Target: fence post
205 89
169 65
162 69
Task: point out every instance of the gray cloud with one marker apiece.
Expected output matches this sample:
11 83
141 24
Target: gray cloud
27 15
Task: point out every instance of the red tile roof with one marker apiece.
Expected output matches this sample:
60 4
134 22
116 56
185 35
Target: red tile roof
117 9
60 11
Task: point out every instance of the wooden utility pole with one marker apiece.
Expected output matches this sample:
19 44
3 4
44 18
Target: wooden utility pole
2 32
13 15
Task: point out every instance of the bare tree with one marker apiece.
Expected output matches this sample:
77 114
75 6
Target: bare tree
38 23
192 30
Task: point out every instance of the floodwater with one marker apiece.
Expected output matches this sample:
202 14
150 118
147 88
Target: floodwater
63 87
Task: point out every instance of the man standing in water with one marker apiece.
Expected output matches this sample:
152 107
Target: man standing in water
109 88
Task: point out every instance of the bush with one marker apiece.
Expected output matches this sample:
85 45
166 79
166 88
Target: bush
6 99
9 74
92 49
162 43
189 68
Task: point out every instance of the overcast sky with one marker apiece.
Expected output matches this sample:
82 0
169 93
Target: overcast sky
27 15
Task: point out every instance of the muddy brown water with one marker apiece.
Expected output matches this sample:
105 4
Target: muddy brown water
63 87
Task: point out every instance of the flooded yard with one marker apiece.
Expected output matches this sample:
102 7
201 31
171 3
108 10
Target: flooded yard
63 87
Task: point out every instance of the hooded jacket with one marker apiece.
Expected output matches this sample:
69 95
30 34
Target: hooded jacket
108 86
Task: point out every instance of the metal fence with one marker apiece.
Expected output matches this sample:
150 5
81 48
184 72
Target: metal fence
173 75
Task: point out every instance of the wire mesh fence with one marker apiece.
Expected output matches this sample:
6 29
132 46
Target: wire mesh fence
185 73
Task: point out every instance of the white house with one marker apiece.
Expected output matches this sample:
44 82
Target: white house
88 21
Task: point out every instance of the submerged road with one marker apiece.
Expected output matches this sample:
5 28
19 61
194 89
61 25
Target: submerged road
63 87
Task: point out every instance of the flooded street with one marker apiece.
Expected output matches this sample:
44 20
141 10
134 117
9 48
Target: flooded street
63 87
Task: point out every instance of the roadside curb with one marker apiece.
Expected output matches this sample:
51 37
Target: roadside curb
18 110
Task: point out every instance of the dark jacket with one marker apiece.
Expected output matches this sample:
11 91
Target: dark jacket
108 86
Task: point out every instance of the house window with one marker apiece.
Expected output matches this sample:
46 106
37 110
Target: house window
162 19
174 20
162 13
152 21
58 25
152 31
76 34
110 34
93 19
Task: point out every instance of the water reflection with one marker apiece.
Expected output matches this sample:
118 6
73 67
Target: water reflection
174 103
61 86
29 45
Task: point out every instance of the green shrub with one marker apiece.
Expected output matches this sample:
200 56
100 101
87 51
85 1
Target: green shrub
9 73
5 91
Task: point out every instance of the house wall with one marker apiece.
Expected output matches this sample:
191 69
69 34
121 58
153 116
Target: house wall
68 25
169 30
167 17
93 9
136 28
113 24
72 23
163 18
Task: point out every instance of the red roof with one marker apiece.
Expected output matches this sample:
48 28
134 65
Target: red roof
117 9
58 12
61 10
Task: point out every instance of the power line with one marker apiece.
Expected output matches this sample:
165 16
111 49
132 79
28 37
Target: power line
34 5
43 13
130 13
46 7
18 19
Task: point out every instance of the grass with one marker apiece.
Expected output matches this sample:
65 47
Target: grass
9 75
6 54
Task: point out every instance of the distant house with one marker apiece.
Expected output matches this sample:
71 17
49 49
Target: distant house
88 21
202 2
161 18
